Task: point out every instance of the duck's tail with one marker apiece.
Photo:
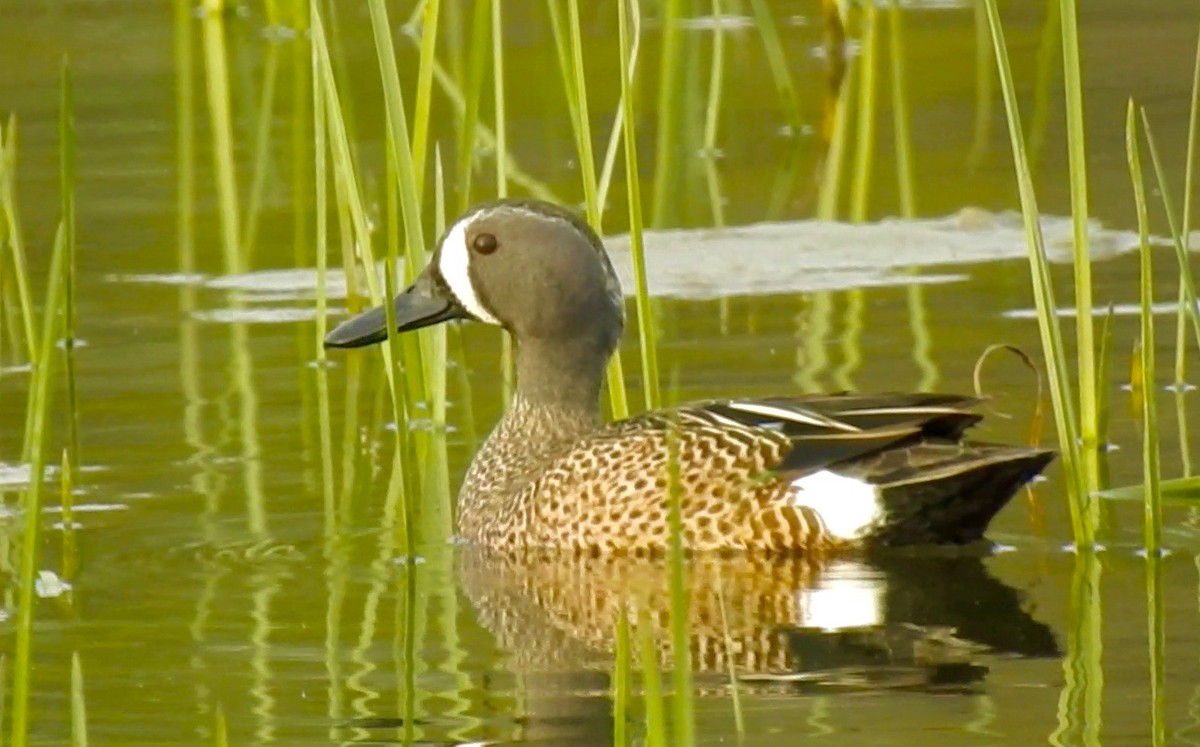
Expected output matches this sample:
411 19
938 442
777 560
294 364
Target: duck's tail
948 493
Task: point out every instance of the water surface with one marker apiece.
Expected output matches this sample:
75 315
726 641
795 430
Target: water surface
226 561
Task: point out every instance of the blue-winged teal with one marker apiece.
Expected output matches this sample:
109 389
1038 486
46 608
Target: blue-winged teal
786 474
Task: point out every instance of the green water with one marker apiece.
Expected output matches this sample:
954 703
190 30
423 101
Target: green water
226 561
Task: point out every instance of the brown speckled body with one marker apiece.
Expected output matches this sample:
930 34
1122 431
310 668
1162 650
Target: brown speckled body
548 477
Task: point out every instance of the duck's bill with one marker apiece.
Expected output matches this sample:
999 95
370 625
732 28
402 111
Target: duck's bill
415 308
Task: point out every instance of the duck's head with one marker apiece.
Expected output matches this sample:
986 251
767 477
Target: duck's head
531 267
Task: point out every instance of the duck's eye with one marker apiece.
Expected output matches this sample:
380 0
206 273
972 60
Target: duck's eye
485 243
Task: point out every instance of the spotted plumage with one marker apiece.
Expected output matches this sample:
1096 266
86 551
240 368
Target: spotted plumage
776 475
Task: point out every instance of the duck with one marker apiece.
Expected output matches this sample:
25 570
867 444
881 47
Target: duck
798 475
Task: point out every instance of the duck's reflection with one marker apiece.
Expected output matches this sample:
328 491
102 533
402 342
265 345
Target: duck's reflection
891 621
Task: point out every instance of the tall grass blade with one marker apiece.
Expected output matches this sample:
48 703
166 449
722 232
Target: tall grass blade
469 133
3 695
1178 238
401 169
262 154
346 184
70 545
1186 229
16 243
1152 518
1045 83
569 46
1084 512
1077 162
621 680
216 78
79 733
712 111
833 162
1151 468
864 151
220 732
984 92
409 177
683 710
900 115
1156 622
735 695
1103 373
66 156
39 407
669 83
421 111
777 60
321 210
1081 702
652 692
628 21
498 95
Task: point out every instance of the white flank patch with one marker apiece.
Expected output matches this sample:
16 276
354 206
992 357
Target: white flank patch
848 595
453 263
848 506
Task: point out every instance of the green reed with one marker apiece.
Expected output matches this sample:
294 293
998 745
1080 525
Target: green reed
652 688
620 679
777 62
1185 229
358 236
669 83
1187 285
900 117
216 79
469 130
712 111
834 161
70 543
629 22
3 692
1048 46
985 75
12 232
1152 525
424 99
1083 508
66 161
569 47
321 207
408 179
38 409
501 116
864 141
261 149
683 710
1077 164
403 180
220 732
79 736
1152 513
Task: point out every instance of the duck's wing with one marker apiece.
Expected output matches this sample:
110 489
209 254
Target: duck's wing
820 431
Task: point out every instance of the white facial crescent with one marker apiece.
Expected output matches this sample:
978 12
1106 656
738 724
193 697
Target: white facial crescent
453 263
